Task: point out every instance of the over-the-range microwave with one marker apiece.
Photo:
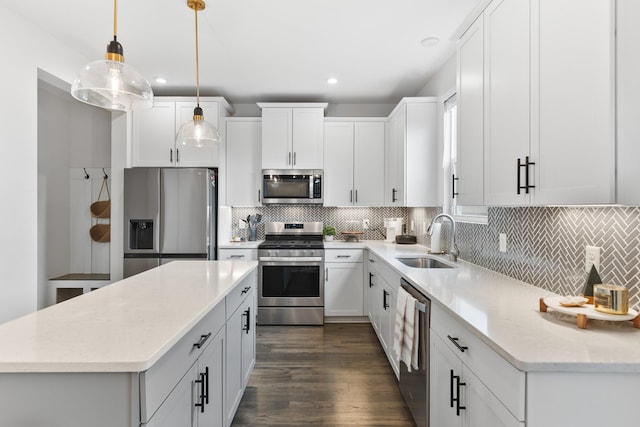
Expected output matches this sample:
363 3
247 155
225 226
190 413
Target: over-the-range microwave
291 187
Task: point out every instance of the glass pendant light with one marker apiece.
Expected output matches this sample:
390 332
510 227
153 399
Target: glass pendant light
110 83
197 132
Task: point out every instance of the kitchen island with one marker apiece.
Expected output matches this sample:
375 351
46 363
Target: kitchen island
118 356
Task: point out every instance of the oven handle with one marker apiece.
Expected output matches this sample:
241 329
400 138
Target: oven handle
290 259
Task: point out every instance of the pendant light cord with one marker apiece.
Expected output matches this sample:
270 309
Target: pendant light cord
197 62
115 19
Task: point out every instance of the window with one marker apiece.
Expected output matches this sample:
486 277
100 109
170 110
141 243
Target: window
476 214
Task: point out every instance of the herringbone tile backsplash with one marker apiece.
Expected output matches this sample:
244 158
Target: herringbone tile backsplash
546 246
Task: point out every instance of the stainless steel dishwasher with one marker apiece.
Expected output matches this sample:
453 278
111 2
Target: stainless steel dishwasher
414 385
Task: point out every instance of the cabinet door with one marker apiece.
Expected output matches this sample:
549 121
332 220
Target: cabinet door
178 409
507 100
233 371
244 162
368 163
372 290
442 387
422 159
573 100
469 168
248 337
154 135
627 108
338 172
394 159
343 294
389 322
482 408
277 138
308 130
211 364
198 156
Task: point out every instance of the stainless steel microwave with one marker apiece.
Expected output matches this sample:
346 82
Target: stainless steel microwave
291 187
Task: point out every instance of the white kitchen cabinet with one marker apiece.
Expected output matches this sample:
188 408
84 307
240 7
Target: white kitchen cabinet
355 160
292 135
412 166
627 106
468 180
240 348
154 132
548 96
343 287
471 385
244 161
238 254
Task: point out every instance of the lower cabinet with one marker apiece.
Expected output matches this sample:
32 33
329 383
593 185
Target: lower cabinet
238 254
343 286
240 348
470 384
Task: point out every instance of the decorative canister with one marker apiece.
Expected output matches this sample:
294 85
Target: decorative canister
611 299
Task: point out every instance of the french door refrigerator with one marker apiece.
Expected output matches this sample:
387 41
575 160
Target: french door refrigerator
169 213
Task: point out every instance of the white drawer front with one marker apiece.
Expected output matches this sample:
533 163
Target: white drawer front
157 382
343 255
238 254
502 378
239 293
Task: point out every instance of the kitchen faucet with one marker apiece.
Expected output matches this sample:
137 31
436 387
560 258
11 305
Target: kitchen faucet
453 249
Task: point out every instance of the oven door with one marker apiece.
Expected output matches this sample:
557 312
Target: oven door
291 282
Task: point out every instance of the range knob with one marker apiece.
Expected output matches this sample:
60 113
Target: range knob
291 253
276 253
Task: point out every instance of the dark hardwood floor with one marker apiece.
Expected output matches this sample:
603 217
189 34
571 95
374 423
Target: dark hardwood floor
334 375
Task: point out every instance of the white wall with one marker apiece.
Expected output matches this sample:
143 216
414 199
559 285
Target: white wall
27 49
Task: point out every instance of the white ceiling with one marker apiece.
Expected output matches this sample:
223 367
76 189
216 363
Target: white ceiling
268 50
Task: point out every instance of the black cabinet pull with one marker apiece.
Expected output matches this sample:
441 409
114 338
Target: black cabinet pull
247 326
202 397
524 165
170 155
462 348
371 280
350 196
259 196
394 198
384 299
454 193
203 339
177 156
457 398
206 385
246 289
452 379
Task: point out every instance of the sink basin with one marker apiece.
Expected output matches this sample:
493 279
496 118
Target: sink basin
423 262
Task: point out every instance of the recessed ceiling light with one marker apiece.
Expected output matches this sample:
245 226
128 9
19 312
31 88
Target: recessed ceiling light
332 80
161 80
429 41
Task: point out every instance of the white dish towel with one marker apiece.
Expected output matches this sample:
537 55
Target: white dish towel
405 337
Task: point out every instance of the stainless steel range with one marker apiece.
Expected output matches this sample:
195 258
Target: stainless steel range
291 274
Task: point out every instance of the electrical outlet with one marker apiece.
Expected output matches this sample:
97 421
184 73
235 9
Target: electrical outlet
413 226
241 224
592 257
503 242
365 224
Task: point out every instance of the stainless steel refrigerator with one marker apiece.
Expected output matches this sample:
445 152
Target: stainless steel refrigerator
169 213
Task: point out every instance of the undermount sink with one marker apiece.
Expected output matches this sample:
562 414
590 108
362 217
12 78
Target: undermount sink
424 262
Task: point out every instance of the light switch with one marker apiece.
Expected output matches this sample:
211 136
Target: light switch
503 242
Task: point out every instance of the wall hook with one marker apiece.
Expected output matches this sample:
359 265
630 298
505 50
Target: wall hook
104 174
86 175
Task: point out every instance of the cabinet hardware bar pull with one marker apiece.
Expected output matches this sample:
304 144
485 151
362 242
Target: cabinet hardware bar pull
343 256
394 198
454 193
246 288
206 384
451 380
526 174
458 385
247 313
177 156
294 158
462 348
372 260
350 196
356 196
203 339
259 196
289 161
326 274
236 256
371 280
518 176
170 155
202 395
384 299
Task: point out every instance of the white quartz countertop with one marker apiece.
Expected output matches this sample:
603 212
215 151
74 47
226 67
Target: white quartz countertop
240 245
124 327
504 313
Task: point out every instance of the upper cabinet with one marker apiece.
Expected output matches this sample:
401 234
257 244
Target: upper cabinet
543 72
244 135
154 132
292 135
354 153
627 107
412 168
